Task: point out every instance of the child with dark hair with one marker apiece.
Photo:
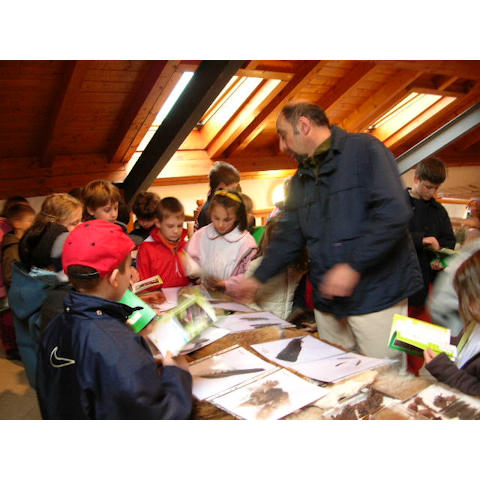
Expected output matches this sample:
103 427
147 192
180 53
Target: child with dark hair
430 224
464 373
145 208
249 209
431 230
90 363
224 176
224 248
6 227
19 216
160 253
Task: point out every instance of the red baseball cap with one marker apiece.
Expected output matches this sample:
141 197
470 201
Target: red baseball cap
97 244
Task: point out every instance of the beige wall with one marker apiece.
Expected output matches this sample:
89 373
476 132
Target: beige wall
260 190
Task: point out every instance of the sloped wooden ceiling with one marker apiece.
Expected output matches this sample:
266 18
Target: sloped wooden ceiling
64 123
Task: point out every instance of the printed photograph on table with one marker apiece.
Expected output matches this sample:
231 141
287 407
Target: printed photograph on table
217 373
290 351
242 322
338 367
440 403
271 397
362 406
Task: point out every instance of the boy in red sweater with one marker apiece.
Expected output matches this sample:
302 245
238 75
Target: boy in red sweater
159 253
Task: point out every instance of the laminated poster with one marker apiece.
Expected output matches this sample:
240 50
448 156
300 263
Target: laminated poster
291 351
217 373
271 397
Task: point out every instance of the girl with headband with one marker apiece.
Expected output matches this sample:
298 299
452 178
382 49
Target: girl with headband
224 248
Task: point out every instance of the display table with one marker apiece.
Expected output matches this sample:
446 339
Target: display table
386 380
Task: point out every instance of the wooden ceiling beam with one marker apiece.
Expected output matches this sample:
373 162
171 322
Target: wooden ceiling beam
305 73
149 97
380 102
459 68
435 91
345 85
207 82
63 108
447 82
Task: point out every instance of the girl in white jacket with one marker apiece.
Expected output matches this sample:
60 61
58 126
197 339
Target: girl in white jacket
224 248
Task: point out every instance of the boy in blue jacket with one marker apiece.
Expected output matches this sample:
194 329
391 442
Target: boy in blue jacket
90 364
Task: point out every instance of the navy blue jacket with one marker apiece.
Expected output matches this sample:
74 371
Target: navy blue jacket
35 298
354 212
430 219
92 366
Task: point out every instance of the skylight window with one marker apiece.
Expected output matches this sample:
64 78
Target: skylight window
407 115
167 106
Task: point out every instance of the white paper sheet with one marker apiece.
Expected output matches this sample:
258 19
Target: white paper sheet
207 337
298 349
225 363
271 397
241 322
338 367
232 306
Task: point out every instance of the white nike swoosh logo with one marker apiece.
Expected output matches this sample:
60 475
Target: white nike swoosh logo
64 362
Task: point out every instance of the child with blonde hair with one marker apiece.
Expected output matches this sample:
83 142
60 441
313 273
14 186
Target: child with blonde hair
224 248
38 281
464 373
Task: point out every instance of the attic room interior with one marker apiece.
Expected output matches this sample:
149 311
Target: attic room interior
160 124
143 95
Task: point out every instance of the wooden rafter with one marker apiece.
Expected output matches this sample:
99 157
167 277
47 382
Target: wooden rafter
209 80
63 108
380 102
149 97
468 141
341 89
307 70
460 68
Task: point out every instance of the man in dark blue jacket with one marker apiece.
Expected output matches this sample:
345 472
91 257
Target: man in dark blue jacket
90 364
346 204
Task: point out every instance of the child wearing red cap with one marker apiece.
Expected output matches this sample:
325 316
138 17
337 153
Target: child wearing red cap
90 364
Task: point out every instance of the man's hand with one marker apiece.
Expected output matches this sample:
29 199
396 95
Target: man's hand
339 281
429 355
246 290
431 242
